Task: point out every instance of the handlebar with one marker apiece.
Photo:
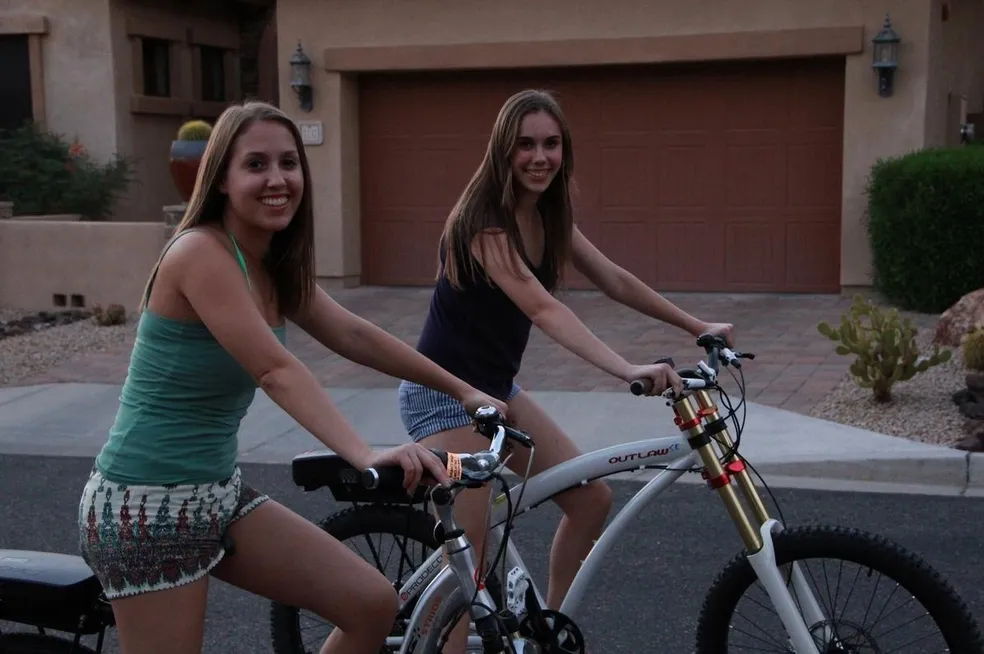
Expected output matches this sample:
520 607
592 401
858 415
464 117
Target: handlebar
705 376
465 469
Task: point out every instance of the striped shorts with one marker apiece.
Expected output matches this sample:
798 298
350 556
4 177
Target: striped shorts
425 411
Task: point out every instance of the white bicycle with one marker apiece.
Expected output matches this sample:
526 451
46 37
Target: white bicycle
506 609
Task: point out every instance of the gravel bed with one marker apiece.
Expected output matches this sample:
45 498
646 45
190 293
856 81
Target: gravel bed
921 408
24 356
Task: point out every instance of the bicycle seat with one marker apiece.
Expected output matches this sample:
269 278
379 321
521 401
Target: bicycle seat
316 469
48 589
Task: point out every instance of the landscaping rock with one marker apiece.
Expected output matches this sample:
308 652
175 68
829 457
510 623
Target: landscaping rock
974 440
41 320
962 317
975 382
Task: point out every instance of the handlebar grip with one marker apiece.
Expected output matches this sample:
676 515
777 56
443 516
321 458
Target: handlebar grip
641 386
391 476
388 477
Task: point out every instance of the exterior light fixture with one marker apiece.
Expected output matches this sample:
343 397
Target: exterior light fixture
300 78
885 55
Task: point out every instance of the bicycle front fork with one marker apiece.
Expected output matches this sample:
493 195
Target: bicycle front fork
707 434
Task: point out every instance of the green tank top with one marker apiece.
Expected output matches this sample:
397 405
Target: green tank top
181 405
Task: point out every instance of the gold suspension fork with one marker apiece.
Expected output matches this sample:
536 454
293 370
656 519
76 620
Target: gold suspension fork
717 427
690 418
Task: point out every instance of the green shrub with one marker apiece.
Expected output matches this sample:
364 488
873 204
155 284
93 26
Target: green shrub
884 347
43 174
925 221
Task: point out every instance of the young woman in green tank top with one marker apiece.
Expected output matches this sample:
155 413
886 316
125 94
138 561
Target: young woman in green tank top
165 491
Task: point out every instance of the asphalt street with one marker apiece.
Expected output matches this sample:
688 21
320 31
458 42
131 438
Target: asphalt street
647 596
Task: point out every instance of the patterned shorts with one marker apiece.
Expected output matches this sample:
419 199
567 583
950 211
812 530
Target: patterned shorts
425 411
139 539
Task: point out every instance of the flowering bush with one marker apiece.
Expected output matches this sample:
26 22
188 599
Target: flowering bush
43 174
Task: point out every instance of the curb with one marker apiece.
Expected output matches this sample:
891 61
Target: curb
958 475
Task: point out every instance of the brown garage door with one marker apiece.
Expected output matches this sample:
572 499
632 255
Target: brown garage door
694 177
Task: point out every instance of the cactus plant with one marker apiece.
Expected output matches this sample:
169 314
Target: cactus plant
972 344
884 346
186 155
194 130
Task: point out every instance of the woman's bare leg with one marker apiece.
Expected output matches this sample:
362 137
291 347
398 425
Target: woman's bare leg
585 507
285 558
470 509
168 621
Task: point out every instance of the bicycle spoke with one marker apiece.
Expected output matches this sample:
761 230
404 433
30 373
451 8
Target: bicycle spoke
873 628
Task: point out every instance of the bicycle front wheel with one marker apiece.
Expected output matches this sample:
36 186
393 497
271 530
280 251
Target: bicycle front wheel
859 568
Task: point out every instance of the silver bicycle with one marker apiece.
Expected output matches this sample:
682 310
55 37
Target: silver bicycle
505 607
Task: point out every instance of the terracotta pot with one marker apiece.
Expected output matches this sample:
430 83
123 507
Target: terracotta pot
184 160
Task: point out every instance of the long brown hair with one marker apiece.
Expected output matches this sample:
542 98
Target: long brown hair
290 257
489 199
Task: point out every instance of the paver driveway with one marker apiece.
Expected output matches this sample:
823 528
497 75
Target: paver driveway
795 366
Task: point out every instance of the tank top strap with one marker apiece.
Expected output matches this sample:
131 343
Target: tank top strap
242 260
153 274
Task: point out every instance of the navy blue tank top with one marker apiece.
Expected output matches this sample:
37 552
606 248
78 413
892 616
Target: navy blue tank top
478 333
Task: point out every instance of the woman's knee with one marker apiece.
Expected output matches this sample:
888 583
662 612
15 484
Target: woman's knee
374 607
589 503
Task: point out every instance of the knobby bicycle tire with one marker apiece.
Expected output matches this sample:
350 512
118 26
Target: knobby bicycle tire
948 610
413 524
29 643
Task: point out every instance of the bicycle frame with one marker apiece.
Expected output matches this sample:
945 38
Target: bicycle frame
440 587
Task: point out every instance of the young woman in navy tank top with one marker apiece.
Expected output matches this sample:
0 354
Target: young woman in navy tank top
502 252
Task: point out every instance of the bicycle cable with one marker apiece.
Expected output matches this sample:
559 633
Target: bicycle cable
739 428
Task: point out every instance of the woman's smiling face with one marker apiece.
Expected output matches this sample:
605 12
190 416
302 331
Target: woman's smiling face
264 181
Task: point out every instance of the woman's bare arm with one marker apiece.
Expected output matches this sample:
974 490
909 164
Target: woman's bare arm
213 284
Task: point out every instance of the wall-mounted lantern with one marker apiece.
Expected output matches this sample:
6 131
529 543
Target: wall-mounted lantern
885 55
300 78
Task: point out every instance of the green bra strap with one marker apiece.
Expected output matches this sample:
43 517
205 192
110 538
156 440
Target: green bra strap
242 260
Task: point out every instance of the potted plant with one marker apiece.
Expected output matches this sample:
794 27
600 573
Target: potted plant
186 154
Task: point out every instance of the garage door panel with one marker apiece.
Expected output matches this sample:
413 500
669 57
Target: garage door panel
583 115
380 183
391 185
756 175
401 248
755 255
755 102
738 159
638 109
688 252
572 278
811 250
689 103
813 175
586 181
629 242
628 177
687 177
816 98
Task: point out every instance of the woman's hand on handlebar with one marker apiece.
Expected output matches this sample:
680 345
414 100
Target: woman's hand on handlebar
474 399
416 461
660 375
723 329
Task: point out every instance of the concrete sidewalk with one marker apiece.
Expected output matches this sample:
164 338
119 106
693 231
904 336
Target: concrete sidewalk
787 448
